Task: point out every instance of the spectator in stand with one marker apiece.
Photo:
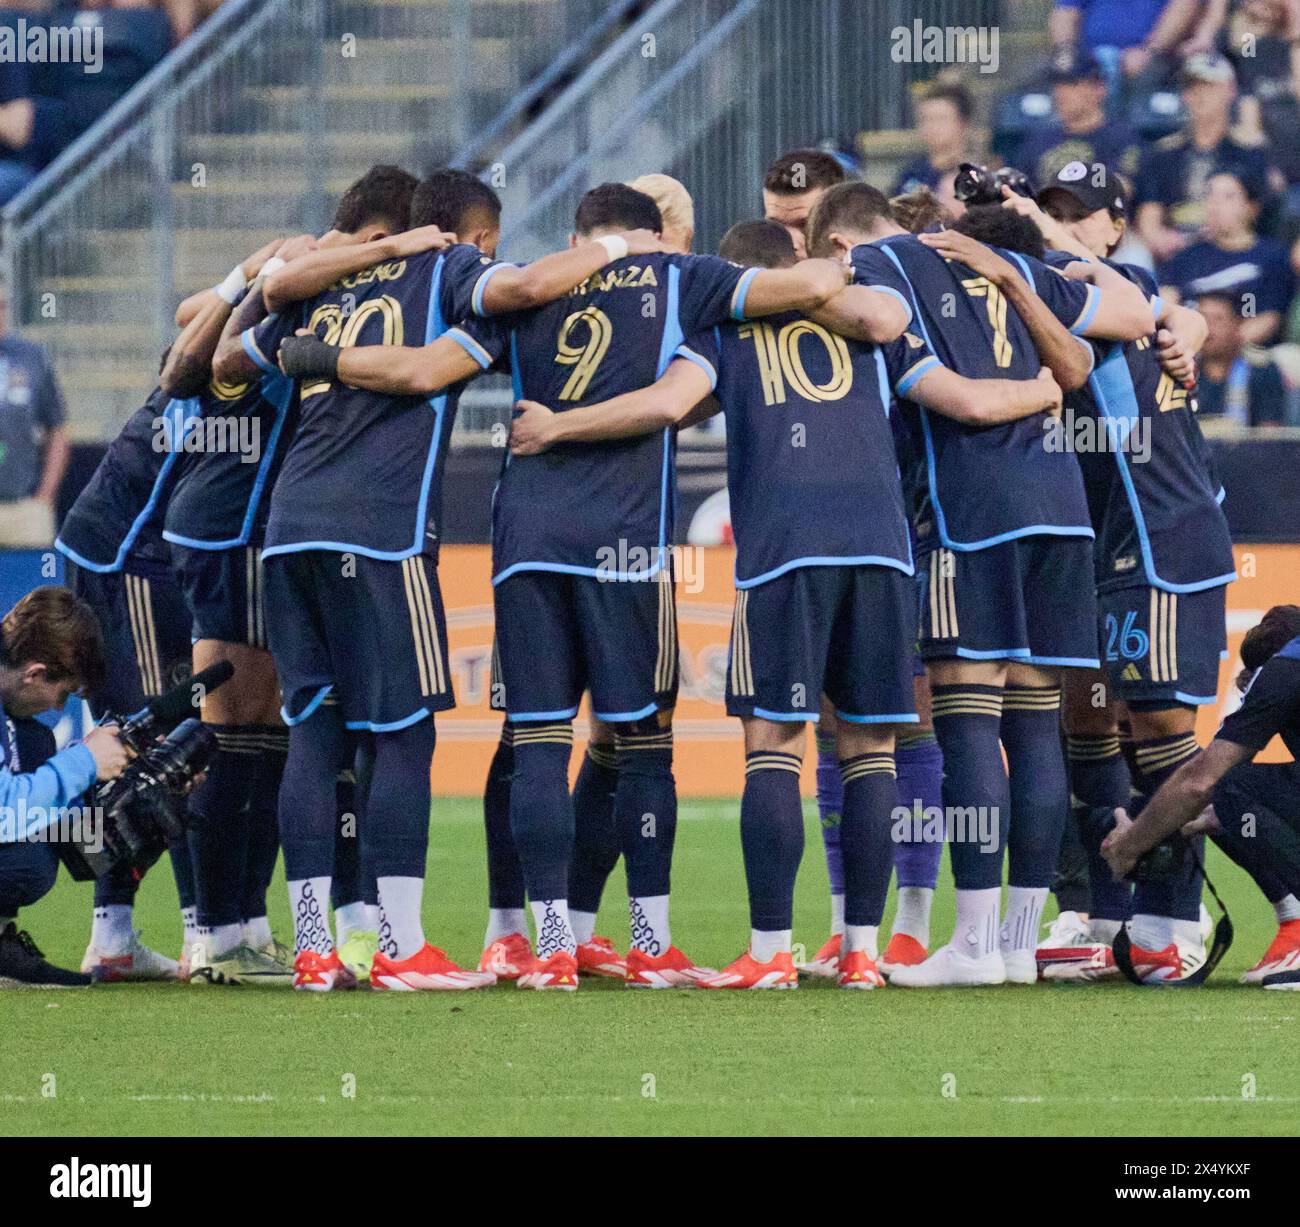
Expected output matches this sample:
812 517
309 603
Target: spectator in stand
1231 259
943 117
1236 384
1173 176
1079 131
1262 39
1135 40
33 441
33 127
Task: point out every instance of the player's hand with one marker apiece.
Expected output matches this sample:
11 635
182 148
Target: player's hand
422 238
531 431
643 242
253 264
110 755
976 256
300 245
1052 394
1176 358
305 355
1114 849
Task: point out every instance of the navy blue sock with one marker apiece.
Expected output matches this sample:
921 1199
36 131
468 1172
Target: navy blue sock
1176 895
870 798
1099 779
596 843
645 807
967 722
771 837
541 810
117 887
505 874
263 822
348 884
1040 795
308 794
183 870
397 840
219 828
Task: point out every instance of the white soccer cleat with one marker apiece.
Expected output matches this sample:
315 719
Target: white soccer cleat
137 962
1021 965
949 967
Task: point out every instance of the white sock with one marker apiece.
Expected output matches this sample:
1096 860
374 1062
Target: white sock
1103 930
584 925
1019 930
650 932
352 918
1154 932
976 931
400 900
257 932
220 939
503 921
837 914
1188 933
309 903
863 937
554 928
766 944
189 924
372 918
1287 909
913 914
111 929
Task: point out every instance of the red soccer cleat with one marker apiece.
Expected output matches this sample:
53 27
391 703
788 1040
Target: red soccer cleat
747 972
508 957
321 973
826 962
672 969
858 970
598 957
427 969
560 971
1283 954
903 951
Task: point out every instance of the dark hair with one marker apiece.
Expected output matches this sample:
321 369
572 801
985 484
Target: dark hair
999 227
51 627
761 242
1275 630
382 195
615 206
919 210
803 170
447 196
948 91
846 206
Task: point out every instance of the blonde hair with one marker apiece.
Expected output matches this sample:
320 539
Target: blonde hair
675 206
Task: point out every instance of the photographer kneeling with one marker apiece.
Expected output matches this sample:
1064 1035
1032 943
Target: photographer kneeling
50 648
1251 810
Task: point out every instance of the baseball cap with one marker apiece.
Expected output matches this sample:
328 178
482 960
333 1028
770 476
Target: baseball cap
1073 64
1095 186
1207 66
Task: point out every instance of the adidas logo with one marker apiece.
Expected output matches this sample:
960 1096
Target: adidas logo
1131 674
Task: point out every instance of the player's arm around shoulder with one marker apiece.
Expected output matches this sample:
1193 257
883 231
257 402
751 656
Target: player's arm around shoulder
805 287
985 402
398 370
1119 310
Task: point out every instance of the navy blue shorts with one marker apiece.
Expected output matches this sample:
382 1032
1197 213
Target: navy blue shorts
370 633
847 632
561 634
1163 646
223 589
1031 600
146 628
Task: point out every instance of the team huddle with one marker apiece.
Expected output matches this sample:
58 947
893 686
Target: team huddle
999 633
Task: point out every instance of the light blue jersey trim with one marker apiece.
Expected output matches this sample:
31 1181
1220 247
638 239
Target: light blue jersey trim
470 346
308 711
565 568
392 726
619 717
685 351
927 363
738 295
480 286
893 718
524 717
788 717
1195 700
1112 390
1090 306
859 560
1066 662
893 293
256 355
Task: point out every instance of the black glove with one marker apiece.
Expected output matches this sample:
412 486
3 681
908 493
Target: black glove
304 357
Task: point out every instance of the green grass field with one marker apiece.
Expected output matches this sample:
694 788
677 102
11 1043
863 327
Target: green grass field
1108 1059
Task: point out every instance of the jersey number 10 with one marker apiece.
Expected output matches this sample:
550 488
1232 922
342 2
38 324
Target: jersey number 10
779 362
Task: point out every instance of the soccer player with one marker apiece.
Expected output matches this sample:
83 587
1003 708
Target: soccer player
1163 559
580 554
350 557
793 185
824 597
118 563
1223 775
1002 536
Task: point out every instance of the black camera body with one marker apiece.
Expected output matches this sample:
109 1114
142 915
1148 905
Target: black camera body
1164 860
977 185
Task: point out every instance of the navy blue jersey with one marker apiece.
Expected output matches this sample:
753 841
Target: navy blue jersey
1271 705
118 515
811 467
603 509
363 472
989 484
223 492
1151 491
